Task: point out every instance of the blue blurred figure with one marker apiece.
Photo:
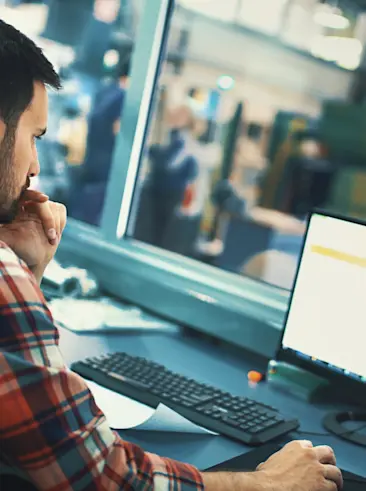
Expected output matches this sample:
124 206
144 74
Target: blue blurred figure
173 168
104 123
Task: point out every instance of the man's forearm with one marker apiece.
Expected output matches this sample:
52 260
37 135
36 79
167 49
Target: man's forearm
235 481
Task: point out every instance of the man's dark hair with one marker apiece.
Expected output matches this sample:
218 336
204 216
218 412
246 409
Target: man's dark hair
22 63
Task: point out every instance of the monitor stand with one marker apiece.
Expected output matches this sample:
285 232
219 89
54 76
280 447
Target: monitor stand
317 390
332 393
333 422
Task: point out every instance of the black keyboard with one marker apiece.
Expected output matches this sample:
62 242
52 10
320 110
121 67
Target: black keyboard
150 383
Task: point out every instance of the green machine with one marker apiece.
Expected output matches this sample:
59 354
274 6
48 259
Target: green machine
230 144
342 128
282 146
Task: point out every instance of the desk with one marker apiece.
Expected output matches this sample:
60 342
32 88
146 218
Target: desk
197 358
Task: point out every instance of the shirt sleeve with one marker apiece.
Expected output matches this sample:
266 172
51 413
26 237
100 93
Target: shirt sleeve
51 429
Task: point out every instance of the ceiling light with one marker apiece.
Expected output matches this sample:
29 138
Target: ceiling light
331 17
225 82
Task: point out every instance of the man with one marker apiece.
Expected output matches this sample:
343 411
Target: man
87 200
104 125
173 168
52 433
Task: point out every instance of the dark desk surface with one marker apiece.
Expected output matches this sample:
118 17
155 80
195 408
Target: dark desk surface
216 365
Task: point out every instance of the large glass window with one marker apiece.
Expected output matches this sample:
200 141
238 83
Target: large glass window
300 27
262 15
91 44
246 138
329 30
225 11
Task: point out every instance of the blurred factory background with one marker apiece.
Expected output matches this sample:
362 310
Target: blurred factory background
260 115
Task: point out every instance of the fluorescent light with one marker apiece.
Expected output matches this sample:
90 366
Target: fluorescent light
346 52
333 21
331 17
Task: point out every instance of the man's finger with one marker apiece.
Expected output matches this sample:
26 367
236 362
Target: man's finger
330 486
325 455
63 216
33 195
45 214
332 473
59 212
56 214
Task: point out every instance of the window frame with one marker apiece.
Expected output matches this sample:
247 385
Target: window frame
231 307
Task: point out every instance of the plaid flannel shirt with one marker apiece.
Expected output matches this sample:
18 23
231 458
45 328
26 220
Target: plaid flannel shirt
51 430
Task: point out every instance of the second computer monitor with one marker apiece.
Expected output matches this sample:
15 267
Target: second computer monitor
326 322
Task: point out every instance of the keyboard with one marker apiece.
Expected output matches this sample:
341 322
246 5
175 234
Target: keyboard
148 382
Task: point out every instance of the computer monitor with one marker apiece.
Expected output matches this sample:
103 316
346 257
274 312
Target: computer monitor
325 328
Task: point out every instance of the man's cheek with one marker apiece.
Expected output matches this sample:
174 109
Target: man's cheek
21 168
2 131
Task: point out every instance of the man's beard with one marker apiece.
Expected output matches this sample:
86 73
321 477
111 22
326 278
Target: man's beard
9 197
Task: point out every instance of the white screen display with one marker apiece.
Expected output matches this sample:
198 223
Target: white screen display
327 318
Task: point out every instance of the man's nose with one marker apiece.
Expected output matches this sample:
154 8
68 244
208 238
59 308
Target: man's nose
34 169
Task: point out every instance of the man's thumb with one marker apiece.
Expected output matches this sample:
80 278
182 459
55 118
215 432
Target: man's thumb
306 444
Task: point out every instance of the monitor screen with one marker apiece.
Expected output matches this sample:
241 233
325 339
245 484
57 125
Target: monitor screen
326 323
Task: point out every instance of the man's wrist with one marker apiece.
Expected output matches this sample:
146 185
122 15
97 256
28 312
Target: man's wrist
235 481
6 237
38 273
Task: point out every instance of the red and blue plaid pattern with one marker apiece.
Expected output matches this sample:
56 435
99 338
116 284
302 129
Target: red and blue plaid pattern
51 430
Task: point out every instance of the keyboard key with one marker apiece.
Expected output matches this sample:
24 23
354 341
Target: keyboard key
270 423
257 429
230 421
128 380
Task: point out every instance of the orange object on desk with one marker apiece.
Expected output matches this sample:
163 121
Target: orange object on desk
255 377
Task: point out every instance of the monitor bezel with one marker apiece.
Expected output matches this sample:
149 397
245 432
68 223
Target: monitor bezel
285 355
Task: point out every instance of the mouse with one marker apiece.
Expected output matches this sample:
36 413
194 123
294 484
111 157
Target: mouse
249 461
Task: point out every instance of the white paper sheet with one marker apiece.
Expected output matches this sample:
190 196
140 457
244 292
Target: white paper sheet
103 315
123 413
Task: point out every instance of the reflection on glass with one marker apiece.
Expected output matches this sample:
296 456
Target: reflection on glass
301 27
218 9
231 170
328 30
91 48
262 15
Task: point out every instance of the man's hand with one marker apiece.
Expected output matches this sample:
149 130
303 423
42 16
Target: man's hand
35 233
303 467
297 467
